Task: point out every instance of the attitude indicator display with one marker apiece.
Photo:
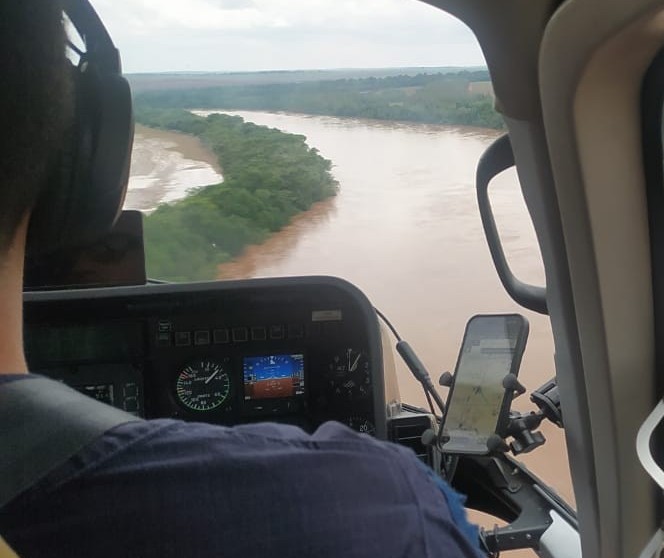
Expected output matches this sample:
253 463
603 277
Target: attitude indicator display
273 376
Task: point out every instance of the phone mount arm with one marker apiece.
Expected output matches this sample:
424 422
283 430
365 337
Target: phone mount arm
503 487
522 426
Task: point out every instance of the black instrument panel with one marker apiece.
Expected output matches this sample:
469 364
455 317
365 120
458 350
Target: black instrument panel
297 350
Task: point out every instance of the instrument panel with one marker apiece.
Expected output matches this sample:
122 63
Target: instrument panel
295 350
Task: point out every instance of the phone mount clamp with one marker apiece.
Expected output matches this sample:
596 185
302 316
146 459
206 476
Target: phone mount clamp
547 398
522 426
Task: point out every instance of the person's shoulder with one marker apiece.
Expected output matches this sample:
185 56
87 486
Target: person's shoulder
329 434
256 489
265 436
332 447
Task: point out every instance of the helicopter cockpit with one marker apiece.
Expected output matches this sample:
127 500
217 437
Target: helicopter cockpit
305 350
298 350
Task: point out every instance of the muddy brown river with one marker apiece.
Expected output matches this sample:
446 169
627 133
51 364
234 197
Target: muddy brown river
404 228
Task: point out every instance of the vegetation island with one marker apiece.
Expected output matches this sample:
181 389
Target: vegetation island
270 176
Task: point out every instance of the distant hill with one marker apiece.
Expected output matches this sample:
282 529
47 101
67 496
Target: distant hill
408 94
202 80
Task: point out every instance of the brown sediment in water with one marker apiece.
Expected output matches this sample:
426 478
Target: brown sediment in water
405 229
248 264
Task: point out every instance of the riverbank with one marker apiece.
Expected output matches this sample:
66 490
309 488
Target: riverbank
249 263
165 166
269 177
187 145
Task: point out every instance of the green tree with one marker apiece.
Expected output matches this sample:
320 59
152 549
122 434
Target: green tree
269 177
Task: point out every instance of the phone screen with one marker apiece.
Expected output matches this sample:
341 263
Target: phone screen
478 404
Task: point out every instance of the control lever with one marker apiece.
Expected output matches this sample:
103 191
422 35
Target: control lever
503 487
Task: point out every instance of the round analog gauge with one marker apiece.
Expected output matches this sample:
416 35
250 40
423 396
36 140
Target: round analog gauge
361 425
348 375
203 385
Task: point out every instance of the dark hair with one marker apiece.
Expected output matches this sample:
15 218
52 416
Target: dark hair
34 104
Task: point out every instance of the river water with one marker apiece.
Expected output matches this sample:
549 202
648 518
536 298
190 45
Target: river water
405 228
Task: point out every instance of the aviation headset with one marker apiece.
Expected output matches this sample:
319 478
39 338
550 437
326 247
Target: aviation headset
86 190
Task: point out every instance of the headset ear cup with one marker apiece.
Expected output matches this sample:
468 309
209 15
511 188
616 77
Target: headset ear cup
85 194
48 219
112 156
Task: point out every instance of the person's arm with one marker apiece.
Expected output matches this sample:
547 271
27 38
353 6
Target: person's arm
167 488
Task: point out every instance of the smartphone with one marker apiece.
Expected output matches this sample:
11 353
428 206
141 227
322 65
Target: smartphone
478 405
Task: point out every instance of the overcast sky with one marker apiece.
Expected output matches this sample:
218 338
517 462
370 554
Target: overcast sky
238 35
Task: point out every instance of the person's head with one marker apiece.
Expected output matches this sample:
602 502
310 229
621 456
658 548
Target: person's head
34 105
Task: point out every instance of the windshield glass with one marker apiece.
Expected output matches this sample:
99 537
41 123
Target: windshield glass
284 137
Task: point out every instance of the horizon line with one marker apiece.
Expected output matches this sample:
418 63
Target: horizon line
283 71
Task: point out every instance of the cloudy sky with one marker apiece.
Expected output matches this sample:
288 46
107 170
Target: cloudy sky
237 35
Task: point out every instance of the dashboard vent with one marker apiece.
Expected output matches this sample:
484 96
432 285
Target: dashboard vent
406 429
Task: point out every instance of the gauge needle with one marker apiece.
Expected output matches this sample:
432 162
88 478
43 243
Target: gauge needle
352 368
212 376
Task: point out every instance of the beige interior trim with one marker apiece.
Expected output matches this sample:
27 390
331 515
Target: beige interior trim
608 106
6 551
591 70
390 378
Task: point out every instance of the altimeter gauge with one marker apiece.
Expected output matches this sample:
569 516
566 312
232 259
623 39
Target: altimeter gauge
203 385
348 375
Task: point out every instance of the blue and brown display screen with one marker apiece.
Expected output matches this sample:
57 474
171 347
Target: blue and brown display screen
273 376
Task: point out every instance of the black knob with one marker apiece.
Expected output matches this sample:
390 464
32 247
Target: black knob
446 379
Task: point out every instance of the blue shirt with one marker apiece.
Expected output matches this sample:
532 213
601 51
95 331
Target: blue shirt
167 488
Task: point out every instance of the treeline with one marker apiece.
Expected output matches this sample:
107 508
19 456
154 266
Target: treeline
269 176
443 98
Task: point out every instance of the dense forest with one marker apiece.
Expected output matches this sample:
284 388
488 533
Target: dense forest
441 98
269 176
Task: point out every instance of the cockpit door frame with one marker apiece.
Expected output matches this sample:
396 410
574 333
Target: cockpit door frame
571 102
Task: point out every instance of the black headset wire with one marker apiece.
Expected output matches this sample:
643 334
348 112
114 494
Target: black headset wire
388 324
448 462
426 387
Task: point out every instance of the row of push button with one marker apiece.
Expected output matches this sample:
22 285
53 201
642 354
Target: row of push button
228 335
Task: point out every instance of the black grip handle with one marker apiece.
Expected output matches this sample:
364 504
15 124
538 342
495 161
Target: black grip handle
497 158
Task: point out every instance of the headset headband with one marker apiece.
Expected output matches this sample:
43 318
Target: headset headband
98 42
86 191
